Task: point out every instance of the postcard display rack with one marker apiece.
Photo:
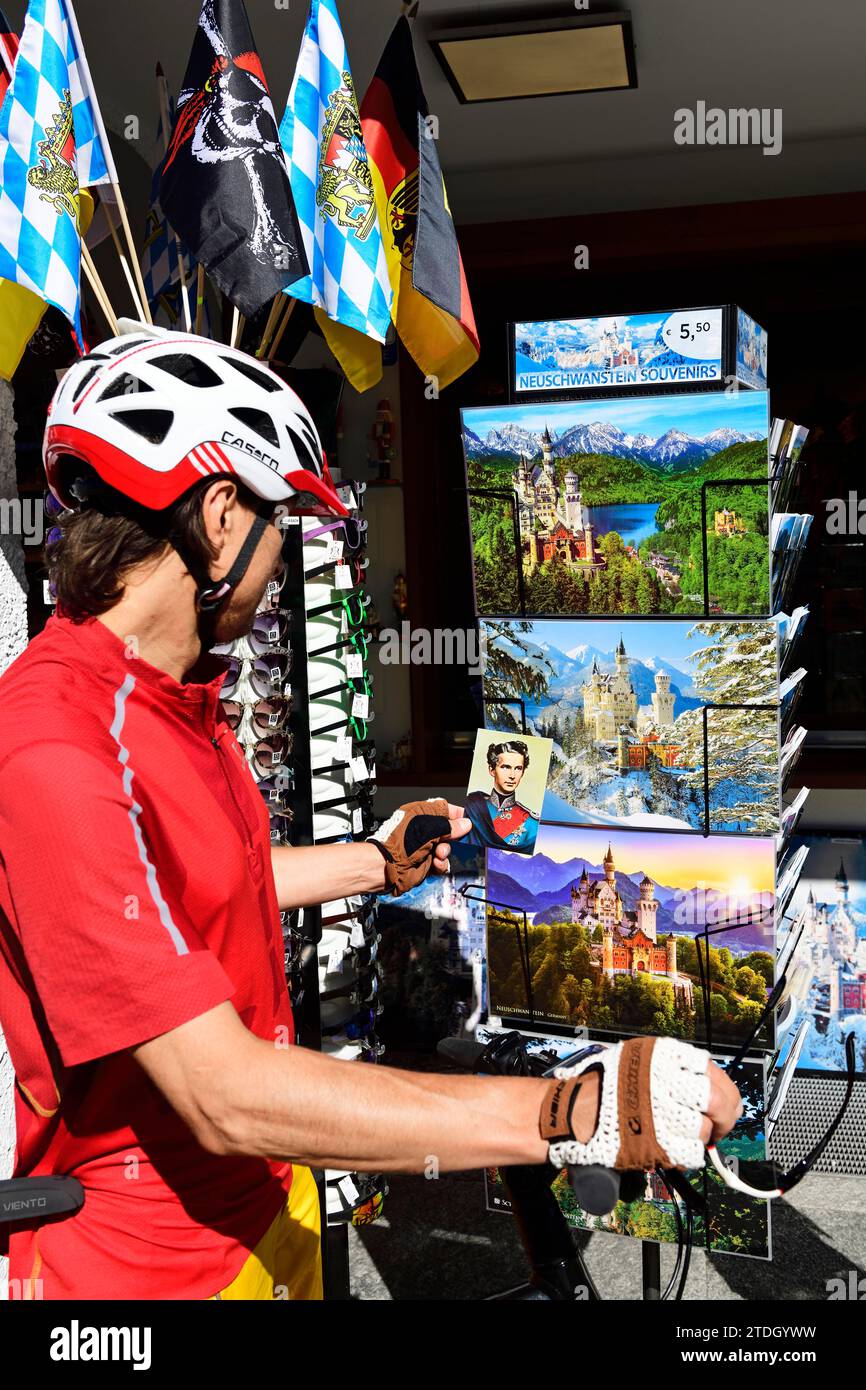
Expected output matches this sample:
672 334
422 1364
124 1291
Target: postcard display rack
630 577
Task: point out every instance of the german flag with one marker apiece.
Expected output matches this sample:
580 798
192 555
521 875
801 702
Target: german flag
432 311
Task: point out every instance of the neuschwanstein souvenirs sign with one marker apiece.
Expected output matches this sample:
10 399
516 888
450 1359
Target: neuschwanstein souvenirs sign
665 725
679 350
652 505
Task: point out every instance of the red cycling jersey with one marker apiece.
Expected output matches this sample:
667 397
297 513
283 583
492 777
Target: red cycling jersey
136 893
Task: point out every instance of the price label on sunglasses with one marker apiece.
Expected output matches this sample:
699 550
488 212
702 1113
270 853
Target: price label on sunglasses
335 959
357 938
354 665
343 576
360 770
360 706
357 821
333 549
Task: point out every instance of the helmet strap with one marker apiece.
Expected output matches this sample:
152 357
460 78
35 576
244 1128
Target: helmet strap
211 595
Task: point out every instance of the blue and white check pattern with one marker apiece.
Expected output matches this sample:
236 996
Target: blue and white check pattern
159 259
40 247
349 276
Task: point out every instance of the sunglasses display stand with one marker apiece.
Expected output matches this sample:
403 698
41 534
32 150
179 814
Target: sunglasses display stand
542 477
334 786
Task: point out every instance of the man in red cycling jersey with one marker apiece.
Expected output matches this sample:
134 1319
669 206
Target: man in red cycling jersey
142 992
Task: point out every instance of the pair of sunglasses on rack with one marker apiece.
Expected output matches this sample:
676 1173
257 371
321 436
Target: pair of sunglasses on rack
269 632
354 606
357 1025
355 564
352 685
276 789
359 992
265 715
361 795
281 826
355 641
266 675
268 753
350 531
356 728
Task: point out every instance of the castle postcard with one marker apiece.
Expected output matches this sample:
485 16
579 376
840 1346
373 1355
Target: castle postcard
628 933
625 705
595 507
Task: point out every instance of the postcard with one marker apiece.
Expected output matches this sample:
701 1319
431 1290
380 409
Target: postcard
506 790
625 705
608 507
831 892
626 933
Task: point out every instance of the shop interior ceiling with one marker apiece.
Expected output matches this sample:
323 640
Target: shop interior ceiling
553 156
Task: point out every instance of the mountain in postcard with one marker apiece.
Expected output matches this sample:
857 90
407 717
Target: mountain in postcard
624 706
644 930
596 506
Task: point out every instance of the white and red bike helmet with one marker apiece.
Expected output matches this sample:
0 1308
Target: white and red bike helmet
152 412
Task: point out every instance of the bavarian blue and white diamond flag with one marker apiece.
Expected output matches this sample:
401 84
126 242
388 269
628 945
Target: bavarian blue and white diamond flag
332 186
47 109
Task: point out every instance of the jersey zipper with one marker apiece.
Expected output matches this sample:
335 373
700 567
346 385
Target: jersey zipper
243 815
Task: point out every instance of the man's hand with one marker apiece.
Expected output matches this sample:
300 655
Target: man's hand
639 1103
414 838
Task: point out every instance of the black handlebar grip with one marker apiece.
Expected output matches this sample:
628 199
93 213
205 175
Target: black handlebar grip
597 1189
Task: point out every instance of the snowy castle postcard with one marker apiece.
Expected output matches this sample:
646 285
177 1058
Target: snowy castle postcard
608 507
627 705
831 894
629 933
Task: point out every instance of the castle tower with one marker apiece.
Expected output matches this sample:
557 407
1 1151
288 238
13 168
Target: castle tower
547 452
583 889
621 659
574 517
622 744
663 702
842 886
607 952
575 903
672 956
647 908
609 870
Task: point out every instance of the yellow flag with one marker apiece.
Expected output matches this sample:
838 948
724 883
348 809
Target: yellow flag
21 310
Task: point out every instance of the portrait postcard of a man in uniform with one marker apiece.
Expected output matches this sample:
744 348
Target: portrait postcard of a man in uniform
506 790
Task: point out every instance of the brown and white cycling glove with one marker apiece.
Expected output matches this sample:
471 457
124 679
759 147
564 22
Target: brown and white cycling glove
408 840
653 1095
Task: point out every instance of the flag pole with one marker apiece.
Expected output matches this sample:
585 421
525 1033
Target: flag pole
99 290
109 158
122 258
270 326
290 309
162 89
238 322
199 298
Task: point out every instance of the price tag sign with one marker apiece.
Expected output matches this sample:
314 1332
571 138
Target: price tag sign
344 749
695 333
357 938
360 770
335 960
354 665
334 549
343 576
361 707
357 821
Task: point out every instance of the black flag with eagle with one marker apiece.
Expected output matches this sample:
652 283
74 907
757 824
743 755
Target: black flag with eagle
225 188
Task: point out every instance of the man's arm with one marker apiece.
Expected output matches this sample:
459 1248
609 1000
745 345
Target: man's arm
309 875
242 1095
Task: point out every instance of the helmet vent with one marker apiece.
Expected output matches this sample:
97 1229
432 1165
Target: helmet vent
152 425
258 421
267 383
307 456
186 368
126 345
88 376
124 385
